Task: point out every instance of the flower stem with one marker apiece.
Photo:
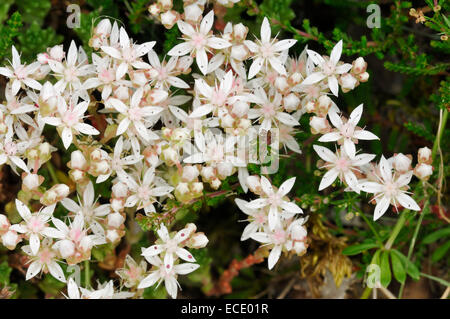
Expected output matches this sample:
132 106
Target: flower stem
442 123
398 227
51 170
87 278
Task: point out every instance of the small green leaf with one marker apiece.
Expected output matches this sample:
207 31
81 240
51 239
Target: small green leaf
385 276
440 252
411 269
398 268
431 238
357 249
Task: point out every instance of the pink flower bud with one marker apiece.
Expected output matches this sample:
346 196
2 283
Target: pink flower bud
207 173
197 187
192 13
57 53
254 184
112 235
117 205
348 82
169 18
77 160
120 190
66 248
166 4
359 65
363 77
154 9
198 240
324 103
215 184
4 223
281 83
43 58
239 52
182 188
10 239
184 63
32 181
240 108
190 173
240 31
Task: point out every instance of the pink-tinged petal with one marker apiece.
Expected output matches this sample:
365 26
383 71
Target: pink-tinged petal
291 207
34 268
185 268
261 237
371 187
257 203
218 43
163 233
385 169
23 210
404 179
203 88
286 119
72 289
274 217
86 129
32 84
274 256
356 114
56 271
351 181
315 57
249 230
72 54
152 250
207 22
201 111
252 46
314 78
67 137
194 159
266 186
121 70
150 280
330 137
335 118
286 186
185 28
6 72
35 243
349 147
336 53
123 126
202 60
283 45
15 57
131 201
171 286
407 201
255 67
62 227
185 255
277 65
362 159
365 135
144 48
161 191
113 52
15 87
333 85
124 38
328 178
168 260
381 207
344 68
265 31
180 49
325 154
177 82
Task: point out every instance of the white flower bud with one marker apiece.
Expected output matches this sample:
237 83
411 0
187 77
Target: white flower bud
112 235
62 190
86 243
117 204
170 155
57 53
4 223
198 240
77 160
166 4
227 121
401 163
281 83
207 172
359 65
240 31
169 18
31 181
348 82
215 184
324 103
423 171
103 27
122 93
66 248
254 183
319 125
10 239
299 247
239 52
225 169
120 190
291 102
363 77
77 175
190 173
310 107
182 188
424 155
240 108
154 9
184 63
192 13
197 187
115 220
43 58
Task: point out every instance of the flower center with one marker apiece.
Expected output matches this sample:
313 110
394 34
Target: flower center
279 237
70 118
198 41
329 68
35 224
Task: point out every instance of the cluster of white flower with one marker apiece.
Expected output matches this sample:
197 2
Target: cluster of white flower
163 151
